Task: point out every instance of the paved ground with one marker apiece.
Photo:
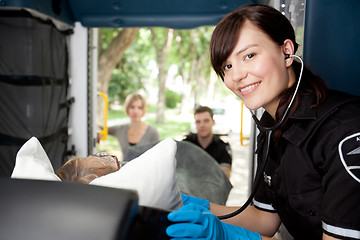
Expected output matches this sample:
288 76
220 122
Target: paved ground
240 171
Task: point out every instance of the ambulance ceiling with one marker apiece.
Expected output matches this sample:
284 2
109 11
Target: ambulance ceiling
123 13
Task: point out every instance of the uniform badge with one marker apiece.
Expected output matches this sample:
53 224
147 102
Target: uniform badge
349 151
267 179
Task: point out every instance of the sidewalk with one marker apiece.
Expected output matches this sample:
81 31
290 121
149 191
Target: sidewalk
239 172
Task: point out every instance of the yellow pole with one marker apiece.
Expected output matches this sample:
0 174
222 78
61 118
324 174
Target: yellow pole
241 130
104 132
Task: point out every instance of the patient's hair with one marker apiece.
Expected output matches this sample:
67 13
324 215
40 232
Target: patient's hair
84 170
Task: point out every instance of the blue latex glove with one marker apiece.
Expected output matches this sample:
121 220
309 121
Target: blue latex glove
194 221
187 199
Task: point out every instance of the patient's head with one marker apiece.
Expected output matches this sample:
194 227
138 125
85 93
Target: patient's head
86 169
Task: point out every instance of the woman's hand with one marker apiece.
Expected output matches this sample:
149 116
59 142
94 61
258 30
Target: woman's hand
187 199
196 222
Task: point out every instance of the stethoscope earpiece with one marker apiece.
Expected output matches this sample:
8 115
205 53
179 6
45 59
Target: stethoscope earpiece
268 131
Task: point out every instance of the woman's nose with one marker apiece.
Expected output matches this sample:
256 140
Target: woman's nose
239 74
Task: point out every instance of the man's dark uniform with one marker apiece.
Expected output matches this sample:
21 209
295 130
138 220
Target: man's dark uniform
218 149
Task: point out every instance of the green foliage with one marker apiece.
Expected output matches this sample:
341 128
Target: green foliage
299 31
132 70
172 98
189 51
160 35
122 84
107 35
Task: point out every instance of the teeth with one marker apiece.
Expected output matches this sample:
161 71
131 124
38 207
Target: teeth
249 87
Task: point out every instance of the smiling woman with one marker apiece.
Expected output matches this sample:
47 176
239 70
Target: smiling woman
258 67
253 50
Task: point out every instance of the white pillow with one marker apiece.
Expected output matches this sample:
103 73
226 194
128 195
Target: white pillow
32 162
152 175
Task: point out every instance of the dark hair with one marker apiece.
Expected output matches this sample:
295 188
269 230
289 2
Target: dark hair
226 33
278 28
202 109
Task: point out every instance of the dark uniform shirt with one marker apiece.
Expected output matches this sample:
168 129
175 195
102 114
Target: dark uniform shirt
312 177
218 149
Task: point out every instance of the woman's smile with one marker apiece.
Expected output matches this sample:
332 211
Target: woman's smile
249 88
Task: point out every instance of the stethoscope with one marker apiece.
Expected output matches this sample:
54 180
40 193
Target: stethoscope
268 132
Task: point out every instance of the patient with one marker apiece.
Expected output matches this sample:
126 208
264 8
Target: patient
151 175
86 169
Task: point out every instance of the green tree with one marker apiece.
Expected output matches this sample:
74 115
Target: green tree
190 51
187 49
172 98
112 45
161 38
132 71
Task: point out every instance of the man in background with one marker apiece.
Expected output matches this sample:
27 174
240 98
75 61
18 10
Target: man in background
211 143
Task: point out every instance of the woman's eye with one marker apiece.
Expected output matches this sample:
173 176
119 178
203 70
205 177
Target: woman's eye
250 56
227 67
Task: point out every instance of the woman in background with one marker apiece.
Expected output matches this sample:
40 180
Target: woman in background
137 131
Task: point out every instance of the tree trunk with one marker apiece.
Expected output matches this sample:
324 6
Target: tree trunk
161 54
112 55
108 60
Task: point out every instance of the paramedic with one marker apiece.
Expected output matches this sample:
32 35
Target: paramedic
311 182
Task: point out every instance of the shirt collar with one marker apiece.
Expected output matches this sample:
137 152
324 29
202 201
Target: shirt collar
304 110
302 121
299 130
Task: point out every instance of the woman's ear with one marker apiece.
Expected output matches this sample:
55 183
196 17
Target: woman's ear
288 49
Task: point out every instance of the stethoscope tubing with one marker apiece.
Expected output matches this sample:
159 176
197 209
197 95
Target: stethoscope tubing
268 132
256 181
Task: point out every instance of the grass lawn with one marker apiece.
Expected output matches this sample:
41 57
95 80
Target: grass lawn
113 114
172 127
